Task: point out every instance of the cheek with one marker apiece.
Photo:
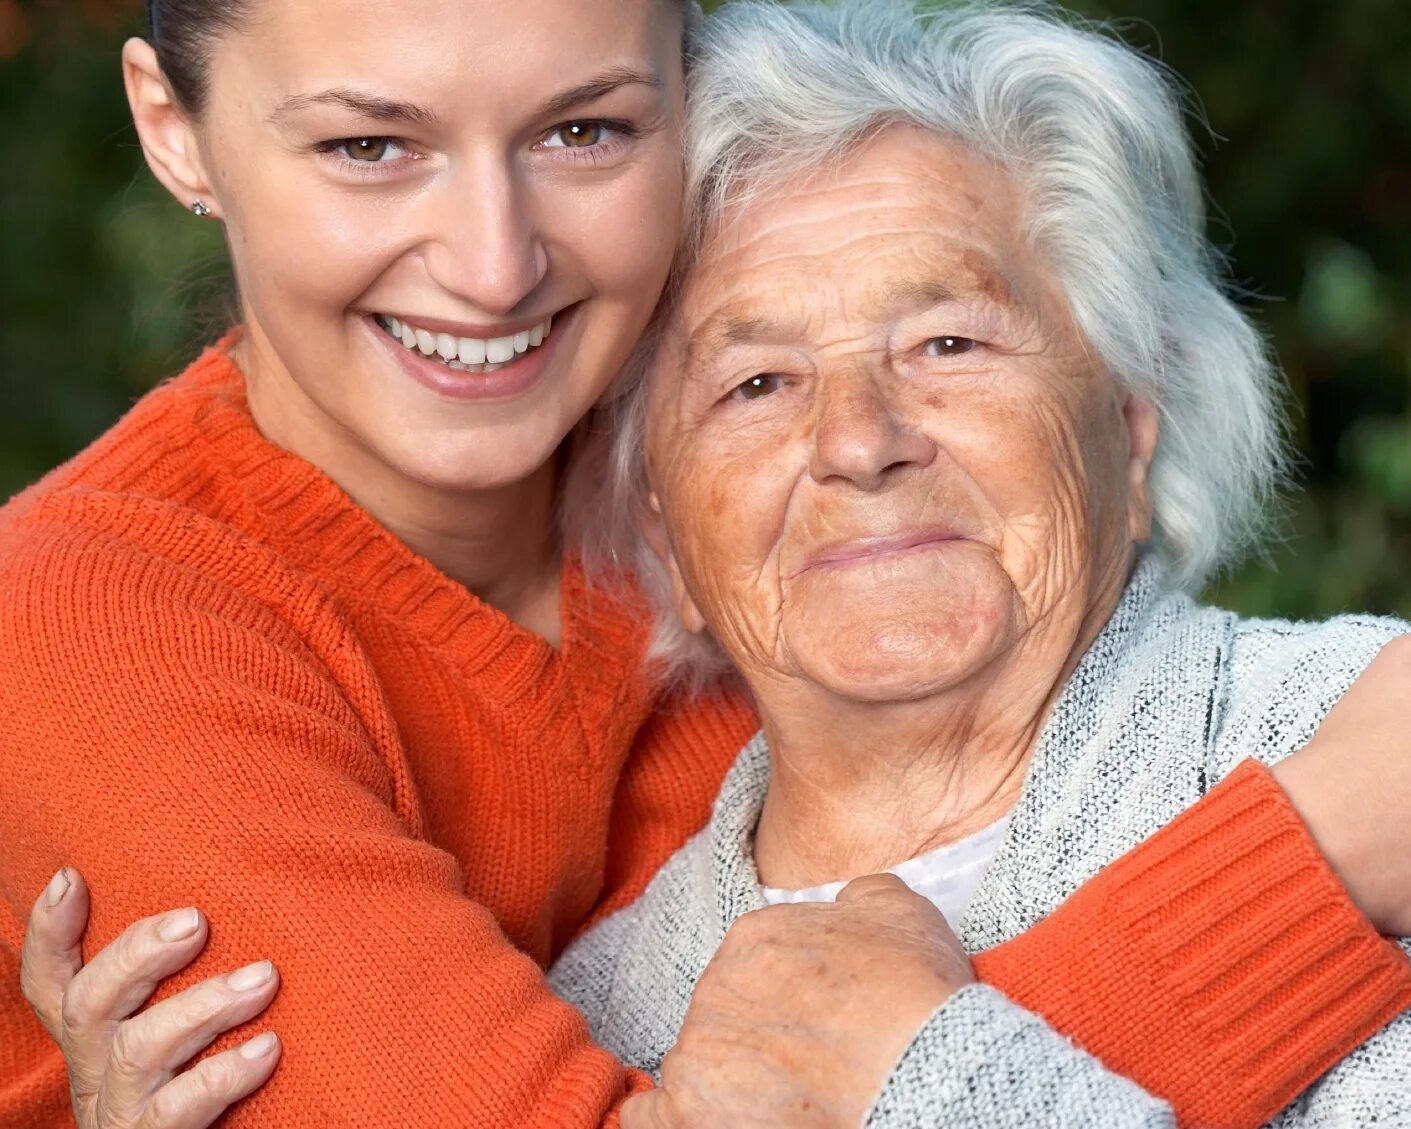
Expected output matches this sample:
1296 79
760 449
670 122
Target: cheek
727 511
307 249
1026 452
621 236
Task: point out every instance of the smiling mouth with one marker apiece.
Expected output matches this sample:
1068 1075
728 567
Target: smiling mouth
875 548
479 355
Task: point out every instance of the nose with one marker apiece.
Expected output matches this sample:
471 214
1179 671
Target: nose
485 244
859 437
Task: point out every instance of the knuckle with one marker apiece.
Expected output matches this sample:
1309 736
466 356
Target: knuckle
75 1011
219 1079
877 884
128 1056
106 1111
34 994
47 1013
129 956
170 1108
750 927
205 1007
207 1088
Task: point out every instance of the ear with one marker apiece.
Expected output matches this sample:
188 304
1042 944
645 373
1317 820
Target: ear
164 128
654 529
1143 430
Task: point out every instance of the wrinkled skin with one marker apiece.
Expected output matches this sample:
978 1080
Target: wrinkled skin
898 488
875 354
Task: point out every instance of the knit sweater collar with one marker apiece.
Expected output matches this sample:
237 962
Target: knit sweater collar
293 506
1090 696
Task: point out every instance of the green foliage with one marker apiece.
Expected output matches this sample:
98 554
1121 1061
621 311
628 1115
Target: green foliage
1307 148
100 271
106 285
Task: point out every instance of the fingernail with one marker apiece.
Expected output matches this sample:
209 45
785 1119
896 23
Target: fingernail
259 1046
58 888
179 925
250 977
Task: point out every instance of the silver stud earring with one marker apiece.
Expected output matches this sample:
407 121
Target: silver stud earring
199 209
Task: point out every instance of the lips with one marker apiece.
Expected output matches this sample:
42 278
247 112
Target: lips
453 380
466 354
862 550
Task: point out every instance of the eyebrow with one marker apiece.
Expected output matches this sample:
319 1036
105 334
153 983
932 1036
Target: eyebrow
369 106
727 327
730 326
614 78
917 294
376 108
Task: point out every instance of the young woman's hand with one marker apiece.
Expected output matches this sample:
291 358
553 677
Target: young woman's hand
126 1065
1352 786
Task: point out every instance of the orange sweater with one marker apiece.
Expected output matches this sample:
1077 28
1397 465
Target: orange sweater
225 685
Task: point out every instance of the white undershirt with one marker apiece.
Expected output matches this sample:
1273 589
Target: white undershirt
947 877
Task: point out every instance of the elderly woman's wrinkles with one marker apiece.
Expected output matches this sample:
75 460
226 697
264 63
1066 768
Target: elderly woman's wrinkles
937 495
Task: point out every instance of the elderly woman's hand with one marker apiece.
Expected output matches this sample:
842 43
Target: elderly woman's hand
125 1065
804 1010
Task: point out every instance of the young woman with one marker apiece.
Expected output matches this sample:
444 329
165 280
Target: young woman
301 641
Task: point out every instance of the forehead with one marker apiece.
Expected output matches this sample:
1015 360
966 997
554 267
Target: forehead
491 50
906 218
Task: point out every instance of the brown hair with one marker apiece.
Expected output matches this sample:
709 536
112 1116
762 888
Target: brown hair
183 31
182 34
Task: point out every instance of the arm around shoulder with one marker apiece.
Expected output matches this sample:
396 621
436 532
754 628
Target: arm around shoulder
182 742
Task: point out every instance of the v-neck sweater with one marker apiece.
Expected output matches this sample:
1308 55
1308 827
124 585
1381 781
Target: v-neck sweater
225 684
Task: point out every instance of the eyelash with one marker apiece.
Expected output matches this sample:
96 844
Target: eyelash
736 394
363 168
621 133
969 345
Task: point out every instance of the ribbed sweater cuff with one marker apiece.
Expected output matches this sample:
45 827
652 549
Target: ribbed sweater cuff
1221 964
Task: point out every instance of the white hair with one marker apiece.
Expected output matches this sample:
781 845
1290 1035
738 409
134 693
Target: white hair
1093 134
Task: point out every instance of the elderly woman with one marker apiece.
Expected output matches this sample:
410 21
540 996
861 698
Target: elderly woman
948 419
947 414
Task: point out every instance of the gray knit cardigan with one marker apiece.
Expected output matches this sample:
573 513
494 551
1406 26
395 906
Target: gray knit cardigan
1169 698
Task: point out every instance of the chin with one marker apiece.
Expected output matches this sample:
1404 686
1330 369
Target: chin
900 654
465 461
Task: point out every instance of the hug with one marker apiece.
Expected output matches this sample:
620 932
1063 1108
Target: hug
675 607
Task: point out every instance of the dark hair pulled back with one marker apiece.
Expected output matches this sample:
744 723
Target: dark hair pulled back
182 34
184 30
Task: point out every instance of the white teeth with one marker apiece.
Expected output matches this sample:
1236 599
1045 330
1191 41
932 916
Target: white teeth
468 354
471 351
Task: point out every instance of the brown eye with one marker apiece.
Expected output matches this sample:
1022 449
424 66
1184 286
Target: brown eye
368 149
581 135
757 387
948 346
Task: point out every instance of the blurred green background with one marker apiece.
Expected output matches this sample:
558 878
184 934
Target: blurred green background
106 285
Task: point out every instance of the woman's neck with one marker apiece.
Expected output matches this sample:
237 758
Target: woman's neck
858 787
501 544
